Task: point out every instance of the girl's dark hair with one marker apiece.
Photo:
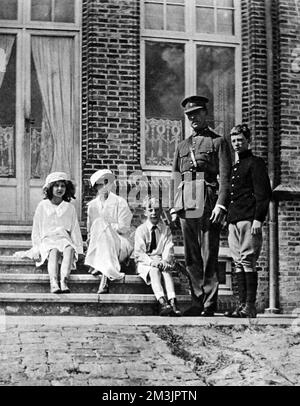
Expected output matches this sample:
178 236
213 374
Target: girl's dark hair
69 194
241 129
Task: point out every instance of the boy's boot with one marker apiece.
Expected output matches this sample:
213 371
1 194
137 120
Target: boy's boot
103 287
241 284
249 310
164 308
175 311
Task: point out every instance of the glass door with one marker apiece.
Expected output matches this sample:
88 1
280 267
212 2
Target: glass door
39 101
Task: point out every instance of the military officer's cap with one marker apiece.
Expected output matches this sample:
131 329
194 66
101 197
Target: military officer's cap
193 103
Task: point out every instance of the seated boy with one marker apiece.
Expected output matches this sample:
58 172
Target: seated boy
154 256
250 193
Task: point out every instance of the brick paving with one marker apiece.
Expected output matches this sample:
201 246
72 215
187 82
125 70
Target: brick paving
77 351
116 351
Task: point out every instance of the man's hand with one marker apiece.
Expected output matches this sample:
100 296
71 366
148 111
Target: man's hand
256 227
218 215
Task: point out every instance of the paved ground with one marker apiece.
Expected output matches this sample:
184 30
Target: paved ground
148 351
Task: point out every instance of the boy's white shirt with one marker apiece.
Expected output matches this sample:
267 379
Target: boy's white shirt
165 246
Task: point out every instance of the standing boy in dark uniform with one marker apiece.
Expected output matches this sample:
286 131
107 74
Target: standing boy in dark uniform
250 194
200 200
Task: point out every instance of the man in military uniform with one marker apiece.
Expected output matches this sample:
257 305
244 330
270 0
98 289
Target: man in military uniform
200 176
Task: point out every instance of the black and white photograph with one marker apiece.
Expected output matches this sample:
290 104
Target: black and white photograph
149 196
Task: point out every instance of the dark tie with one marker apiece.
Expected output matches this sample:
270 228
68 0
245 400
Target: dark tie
153 239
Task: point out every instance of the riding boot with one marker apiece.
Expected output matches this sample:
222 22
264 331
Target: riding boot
241 284
249 310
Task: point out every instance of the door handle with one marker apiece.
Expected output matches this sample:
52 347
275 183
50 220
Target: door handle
28 123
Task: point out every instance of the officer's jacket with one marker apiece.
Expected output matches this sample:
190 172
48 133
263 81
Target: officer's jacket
212 156
250 190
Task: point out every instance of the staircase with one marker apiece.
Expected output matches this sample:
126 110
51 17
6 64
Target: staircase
24 289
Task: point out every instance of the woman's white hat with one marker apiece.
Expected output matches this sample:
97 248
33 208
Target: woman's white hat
55 177
102 174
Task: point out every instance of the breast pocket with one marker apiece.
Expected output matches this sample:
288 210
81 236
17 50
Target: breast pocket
185 160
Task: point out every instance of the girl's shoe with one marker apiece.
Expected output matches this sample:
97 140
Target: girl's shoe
64 287
54 288
103 287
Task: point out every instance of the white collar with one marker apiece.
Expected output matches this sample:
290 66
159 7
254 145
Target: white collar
150 225
58 209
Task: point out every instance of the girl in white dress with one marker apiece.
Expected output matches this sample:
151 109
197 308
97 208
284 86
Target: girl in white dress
108 227
56 233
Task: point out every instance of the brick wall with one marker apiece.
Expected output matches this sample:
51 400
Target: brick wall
254 106
289 208
111 96
110 110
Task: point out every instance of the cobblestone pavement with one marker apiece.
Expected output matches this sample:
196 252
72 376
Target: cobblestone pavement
148 351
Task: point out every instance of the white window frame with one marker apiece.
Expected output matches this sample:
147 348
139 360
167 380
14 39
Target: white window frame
191 39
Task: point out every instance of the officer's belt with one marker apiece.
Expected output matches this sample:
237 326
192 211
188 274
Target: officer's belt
198 175
194 174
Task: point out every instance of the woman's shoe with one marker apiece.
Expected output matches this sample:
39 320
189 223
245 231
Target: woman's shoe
64 287
103 287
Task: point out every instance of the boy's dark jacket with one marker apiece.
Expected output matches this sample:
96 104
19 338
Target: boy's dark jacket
250 190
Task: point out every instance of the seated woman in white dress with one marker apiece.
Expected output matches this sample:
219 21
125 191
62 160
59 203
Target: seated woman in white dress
108 226
56 233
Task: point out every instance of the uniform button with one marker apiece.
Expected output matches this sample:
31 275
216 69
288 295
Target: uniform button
231 193
233 177
191 170
232 185
231 201
191 162
235 169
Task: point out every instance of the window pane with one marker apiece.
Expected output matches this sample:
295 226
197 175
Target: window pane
7 105
205 3
154 17
205 20
176 1
175 18
41 10
224 3
164 91
215 80
8 9
64 11
225 22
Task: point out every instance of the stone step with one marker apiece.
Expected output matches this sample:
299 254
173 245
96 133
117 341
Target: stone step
10 264
80 283
82 304
23 232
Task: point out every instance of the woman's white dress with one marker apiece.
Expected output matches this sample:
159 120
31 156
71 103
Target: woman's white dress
108 227
55 227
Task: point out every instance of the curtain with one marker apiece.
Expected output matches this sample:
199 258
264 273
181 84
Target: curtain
54 62
223 96
6 43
